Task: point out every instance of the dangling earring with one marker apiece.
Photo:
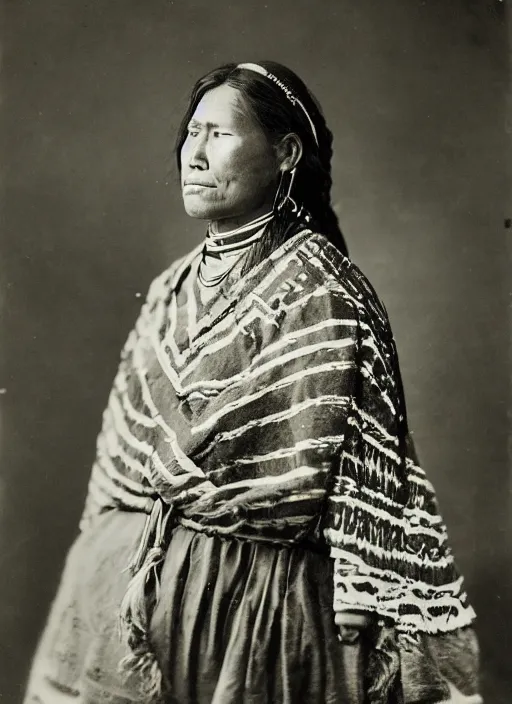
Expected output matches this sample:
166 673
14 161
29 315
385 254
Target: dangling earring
280 199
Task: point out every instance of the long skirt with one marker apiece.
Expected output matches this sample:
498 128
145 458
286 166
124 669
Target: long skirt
236 622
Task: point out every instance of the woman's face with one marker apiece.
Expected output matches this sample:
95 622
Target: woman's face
228 167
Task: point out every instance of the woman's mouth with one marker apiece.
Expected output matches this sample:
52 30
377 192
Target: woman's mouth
198 184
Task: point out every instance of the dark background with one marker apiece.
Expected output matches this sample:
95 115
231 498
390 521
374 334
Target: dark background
92 94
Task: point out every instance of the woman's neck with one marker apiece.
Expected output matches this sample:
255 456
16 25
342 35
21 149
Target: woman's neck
228 225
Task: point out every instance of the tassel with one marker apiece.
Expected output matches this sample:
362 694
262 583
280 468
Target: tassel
133 610
134 616
144 663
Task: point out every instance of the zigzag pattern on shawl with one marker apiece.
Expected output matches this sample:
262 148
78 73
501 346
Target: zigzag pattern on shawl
286 405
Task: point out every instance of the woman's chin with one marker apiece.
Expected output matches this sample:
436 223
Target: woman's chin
197 209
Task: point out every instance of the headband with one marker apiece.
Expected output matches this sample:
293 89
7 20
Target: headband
291 97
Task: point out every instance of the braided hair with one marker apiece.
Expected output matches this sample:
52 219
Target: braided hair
278 116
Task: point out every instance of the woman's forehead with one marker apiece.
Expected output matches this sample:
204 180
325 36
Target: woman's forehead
221 106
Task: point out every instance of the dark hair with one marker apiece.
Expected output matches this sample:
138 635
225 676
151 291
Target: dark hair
278 116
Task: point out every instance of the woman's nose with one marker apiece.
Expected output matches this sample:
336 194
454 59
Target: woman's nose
197 155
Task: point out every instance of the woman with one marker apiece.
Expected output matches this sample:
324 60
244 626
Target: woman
255 471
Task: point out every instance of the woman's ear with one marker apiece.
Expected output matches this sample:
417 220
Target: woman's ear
289 152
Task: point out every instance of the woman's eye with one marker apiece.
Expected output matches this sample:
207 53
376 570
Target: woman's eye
193 133
216 133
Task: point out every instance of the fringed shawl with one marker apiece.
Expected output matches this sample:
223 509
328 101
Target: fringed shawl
277 414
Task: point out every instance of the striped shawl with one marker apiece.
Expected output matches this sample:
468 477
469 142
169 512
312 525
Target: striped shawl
276 413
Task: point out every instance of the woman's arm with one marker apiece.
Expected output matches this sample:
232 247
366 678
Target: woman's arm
111 479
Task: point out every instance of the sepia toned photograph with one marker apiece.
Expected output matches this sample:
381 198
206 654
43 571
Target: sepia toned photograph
255 349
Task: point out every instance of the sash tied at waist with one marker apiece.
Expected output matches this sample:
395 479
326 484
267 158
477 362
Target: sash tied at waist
135 612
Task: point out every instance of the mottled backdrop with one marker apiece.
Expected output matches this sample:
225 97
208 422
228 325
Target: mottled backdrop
92 93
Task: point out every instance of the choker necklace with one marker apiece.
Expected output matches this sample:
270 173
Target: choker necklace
256 224
238 238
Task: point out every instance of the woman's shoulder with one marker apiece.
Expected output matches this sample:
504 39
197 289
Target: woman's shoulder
309 279
341 276
165 281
